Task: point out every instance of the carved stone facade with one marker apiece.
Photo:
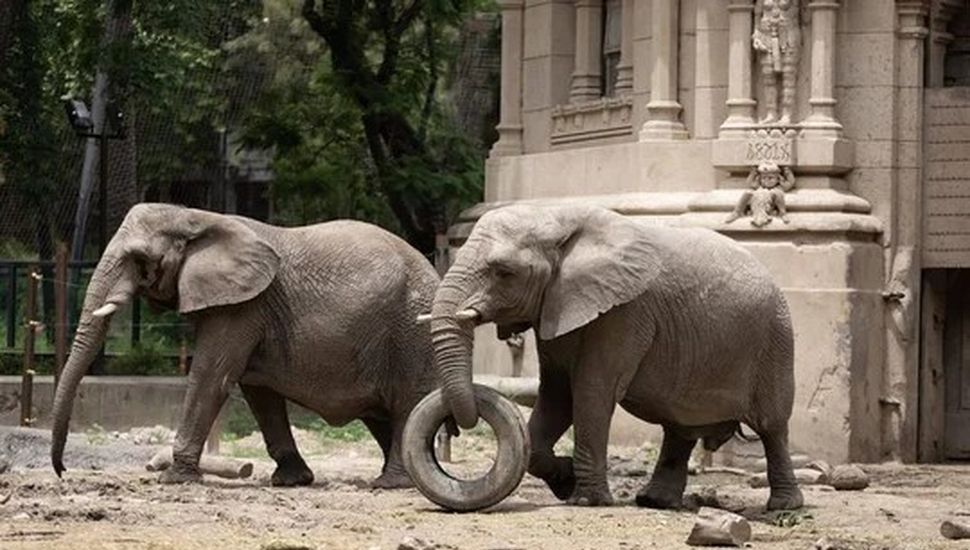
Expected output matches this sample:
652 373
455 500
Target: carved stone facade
728 112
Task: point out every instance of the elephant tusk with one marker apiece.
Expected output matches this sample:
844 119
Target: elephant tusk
463 315
105 310
466 315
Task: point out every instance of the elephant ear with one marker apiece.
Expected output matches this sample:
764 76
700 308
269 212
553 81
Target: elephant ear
607 260
227 263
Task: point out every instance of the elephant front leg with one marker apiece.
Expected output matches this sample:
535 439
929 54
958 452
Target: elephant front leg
593 404
551 417
269 409
214 366
666 487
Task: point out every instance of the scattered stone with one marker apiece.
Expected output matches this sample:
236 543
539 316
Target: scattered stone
413 543
710 498
719 528
22 516
955 531
6 498
848 477
279 545
826 543
821 466
4 464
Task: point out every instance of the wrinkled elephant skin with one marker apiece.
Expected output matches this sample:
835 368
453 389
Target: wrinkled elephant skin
681 327
321 315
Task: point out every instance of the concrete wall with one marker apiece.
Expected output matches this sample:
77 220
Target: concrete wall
113 402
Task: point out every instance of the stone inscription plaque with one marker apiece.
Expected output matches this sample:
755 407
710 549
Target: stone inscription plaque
774 145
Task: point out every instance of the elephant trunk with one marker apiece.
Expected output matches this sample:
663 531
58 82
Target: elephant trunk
108 286
452 338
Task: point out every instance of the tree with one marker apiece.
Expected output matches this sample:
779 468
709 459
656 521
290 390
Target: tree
386 58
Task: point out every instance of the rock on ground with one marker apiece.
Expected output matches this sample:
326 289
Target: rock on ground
848 477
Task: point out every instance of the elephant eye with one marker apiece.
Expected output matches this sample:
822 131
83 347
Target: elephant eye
502 272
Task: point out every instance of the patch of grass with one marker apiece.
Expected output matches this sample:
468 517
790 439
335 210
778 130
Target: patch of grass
791 518
96 435
144 358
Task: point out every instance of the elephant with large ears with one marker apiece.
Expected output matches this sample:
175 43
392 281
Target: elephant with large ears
680 326
319 315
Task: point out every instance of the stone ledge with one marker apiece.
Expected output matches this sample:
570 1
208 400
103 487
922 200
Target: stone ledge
820 211
811 155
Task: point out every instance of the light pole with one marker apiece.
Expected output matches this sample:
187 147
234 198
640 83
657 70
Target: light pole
80 118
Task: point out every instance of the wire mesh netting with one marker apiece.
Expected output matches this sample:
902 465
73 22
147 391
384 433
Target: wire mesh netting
176 82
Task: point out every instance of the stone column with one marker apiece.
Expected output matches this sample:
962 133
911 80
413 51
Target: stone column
821 122
510 124
587 83
900 388
740 103
663 111
624 69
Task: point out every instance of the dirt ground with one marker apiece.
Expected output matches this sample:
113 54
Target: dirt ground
121 506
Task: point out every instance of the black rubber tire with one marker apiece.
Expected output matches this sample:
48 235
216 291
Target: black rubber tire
466 495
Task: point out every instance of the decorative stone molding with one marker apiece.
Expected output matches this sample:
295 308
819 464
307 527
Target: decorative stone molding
604 118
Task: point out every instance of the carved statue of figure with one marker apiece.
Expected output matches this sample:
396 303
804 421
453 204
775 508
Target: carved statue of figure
777 39
768 184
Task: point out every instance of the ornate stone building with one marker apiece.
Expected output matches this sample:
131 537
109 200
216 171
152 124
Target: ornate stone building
831 137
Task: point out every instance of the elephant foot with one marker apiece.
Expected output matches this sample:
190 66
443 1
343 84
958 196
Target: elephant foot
660 497
291 471
392 480
591 496
790 499
557 472
180 474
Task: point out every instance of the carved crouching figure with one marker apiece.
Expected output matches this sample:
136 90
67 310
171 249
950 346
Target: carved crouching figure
777 38
768 184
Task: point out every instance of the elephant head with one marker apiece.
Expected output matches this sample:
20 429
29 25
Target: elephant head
554 269
175 256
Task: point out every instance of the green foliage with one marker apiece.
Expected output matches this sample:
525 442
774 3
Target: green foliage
374 140
12 363
146 358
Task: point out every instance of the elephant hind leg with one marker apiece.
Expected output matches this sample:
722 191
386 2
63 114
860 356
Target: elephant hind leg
785 494
388 435
666 487
269 408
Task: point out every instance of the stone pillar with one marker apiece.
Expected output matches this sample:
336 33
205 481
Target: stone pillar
740 103
821 122
510 124
624 69
663 110
587 76
900 389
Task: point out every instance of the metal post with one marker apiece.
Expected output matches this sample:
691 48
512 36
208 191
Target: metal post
103 192
32 326
60 310
135 320
11 305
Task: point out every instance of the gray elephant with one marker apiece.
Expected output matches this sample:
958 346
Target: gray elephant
320 315
681 327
